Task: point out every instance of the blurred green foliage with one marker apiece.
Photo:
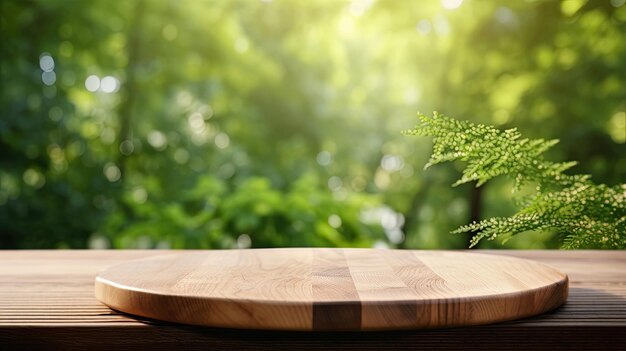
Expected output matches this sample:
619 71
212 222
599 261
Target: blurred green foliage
218 124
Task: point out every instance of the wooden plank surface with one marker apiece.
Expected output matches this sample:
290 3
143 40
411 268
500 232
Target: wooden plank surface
364 289
47 301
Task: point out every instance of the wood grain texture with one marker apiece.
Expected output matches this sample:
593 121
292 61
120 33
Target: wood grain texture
47 302
331 289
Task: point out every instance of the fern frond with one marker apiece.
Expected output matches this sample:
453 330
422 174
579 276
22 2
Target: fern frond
585 214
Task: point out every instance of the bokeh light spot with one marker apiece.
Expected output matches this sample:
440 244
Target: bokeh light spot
46 62
359 7
157 140
505 15
127 147
241 45
334 221
617 127
382 179
324 158
392 163
424 27
48 78
618 3
99 242
441 25
92 83
222 140
226 171
140 195
244 241
109 84
196 122
112 172
380 245
335 183
107 135
170 32
34 178
181 156
184 98
451 4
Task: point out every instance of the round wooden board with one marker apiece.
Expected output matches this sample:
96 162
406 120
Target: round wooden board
332 289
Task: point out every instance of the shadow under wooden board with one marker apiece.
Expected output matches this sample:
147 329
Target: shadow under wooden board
332 289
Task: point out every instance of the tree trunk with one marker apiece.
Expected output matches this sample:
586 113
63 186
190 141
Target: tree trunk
130 85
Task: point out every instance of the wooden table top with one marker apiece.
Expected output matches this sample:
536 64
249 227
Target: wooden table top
332 289
47 301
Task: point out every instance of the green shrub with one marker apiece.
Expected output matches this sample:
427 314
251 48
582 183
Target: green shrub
249 213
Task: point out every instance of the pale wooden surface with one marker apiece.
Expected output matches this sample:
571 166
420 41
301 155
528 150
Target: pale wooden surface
47 302
332 289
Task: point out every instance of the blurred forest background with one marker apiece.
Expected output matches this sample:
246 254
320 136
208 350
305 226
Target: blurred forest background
246 123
